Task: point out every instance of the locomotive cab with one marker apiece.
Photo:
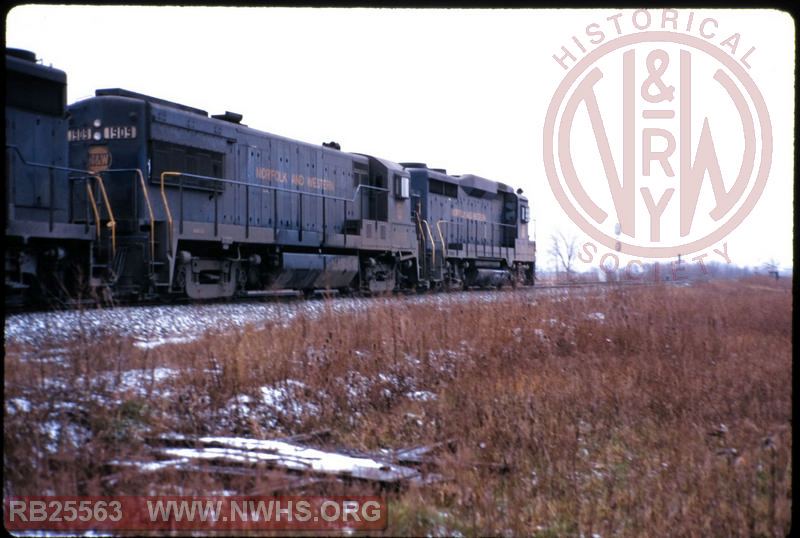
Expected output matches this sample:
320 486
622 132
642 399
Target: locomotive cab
46 244
387 236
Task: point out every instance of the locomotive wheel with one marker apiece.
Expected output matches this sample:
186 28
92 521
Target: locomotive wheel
180 279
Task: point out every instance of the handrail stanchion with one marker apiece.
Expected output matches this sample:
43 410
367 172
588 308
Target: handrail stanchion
433 244
94 208
111 222
166 207
439 228
152 216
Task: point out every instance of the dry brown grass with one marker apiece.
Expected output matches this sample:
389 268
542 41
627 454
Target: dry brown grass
593 412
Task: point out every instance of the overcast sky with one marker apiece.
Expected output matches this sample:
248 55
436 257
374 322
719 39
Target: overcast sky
465 90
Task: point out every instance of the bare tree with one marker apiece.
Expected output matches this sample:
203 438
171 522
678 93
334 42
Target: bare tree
772 268
564 250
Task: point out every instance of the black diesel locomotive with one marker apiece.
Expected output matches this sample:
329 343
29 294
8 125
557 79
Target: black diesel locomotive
208 207
163 200
48 245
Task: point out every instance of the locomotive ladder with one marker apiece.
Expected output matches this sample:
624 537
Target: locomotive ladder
152 263
422 267
437 265
99 251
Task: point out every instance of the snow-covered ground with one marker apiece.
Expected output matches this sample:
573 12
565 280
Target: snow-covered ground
152 325
46 337
155 325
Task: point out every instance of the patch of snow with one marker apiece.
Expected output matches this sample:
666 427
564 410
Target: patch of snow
71 433
283 399
132 379
150 344
291 456
421 396
18 404
149 466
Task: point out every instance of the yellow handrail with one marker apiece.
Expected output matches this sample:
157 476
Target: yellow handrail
439 228
433 243
421 231
94 208
166 204
111 222
152 217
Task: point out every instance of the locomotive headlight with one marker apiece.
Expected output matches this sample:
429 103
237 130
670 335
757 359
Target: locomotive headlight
97 135
97 123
